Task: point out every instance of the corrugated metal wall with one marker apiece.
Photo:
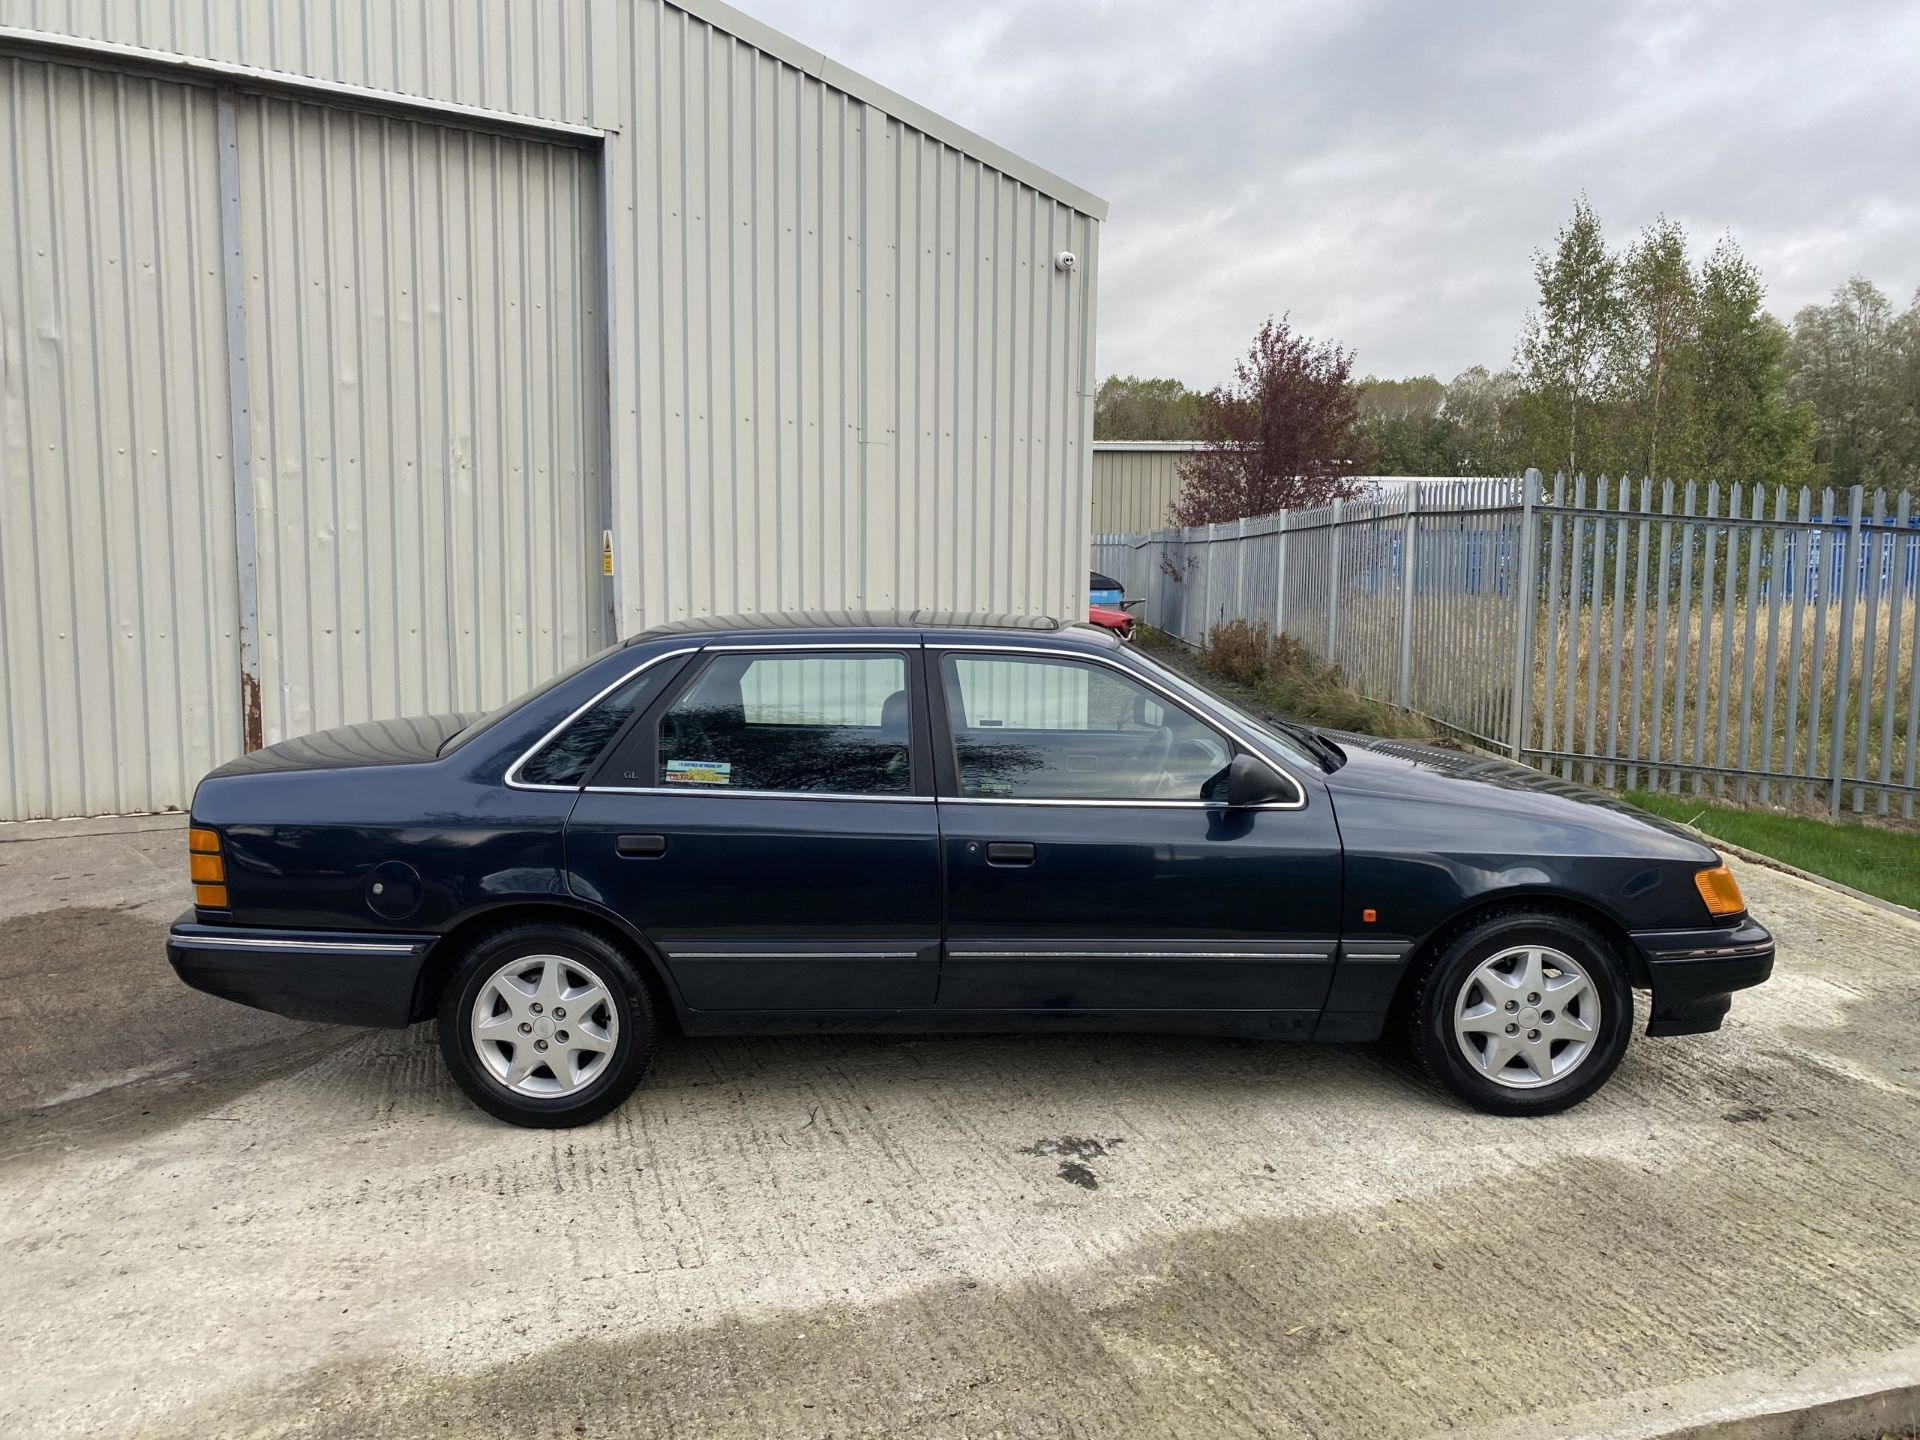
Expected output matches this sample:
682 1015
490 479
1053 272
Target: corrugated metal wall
842 367
423 358
119 663
523 57
842 323
1135 483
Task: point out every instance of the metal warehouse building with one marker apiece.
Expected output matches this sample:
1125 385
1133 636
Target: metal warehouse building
1135 483
345 346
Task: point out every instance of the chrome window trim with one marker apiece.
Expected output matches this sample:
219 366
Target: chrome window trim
1125 804
1215 723
887 798
914 644
513 770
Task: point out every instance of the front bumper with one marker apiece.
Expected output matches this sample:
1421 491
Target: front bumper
1695 972
344 977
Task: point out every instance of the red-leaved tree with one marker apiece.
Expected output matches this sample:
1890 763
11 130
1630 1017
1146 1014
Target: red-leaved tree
1281 436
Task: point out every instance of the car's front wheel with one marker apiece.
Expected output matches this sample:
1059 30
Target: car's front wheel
1523 1012
546 1025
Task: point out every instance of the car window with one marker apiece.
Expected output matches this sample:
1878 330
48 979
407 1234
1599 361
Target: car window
832 723
493 717
566 759
1181 685
1042 728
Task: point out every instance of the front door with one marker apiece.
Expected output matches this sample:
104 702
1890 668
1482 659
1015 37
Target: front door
770 826
1092 863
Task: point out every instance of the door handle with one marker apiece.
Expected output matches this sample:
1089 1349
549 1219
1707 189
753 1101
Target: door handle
1009 852
640 847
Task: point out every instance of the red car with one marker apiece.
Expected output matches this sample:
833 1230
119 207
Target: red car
1110 618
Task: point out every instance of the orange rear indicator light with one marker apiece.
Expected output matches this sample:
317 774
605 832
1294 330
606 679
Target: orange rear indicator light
1720 890
207 869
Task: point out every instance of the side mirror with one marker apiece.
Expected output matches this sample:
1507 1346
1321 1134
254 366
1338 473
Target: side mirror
1254 782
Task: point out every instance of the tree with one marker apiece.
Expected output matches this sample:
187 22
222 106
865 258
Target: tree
1133 408
1482 408
1568 347
1280 436
1659 313
1744 428
1851 361
1639 365
1402 425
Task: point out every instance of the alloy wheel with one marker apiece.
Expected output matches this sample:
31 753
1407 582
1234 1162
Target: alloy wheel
1527 1016
544 1025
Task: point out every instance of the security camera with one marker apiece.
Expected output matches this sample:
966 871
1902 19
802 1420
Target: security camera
1065 261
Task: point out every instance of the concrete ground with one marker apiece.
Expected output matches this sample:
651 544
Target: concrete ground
214 1222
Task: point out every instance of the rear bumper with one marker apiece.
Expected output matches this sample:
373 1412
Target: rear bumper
344 977
1695 972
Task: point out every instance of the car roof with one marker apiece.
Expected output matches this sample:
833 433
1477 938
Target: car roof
803 622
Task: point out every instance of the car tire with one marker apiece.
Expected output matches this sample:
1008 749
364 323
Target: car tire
489 1011
1498 1014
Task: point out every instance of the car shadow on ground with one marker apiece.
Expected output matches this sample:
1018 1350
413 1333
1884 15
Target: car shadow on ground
775 1078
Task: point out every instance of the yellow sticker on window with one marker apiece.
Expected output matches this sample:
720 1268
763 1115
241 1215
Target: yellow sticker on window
699 772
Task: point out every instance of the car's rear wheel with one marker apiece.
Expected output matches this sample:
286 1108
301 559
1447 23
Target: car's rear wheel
1523 1012
546 1025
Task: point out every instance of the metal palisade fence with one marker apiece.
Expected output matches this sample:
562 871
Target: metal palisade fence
1754 644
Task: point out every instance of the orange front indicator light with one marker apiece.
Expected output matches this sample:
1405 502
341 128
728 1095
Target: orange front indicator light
1720 890
207 868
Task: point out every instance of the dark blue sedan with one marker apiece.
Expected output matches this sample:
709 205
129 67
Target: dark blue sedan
928 821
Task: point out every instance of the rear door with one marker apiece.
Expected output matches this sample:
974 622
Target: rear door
1091 860
770 826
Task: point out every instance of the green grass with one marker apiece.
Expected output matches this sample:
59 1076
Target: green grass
1881 862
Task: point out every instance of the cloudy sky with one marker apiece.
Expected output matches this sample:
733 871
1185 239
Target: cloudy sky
1384 170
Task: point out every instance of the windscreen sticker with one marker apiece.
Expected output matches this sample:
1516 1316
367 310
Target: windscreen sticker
699 772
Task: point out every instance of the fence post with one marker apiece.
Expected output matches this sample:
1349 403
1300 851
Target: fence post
1333 581
1240 571
1521 710
1206 593
1843 675
1280 578
1408 537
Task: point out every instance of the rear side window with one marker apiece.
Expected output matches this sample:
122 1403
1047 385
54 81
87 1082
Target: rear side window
569 756
833 723
493 717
